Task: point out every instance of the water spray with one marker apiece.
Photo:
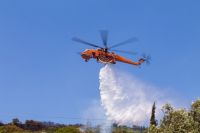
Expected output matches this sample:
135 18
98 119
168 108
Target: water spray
125 99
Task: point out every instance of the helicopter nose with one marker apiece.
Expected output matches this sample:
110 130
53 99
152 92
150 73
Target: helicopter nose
85 56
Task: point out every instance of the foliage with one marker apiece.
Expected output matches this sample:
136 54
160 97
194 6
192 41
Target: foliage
153 129
15 121
125 129
179 120
1 123
195 113
153 120
33 125
10 129
173 121
69 129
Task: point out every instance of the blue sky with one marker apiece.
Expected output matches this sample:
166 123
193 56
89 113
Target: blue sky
42 77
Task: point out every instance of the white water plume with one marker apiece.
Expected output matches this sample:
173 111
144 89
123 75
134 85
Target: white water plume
125 99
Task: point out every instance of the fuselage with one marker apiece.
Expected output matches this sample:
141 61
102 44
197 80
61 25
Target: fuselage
99 54
104 56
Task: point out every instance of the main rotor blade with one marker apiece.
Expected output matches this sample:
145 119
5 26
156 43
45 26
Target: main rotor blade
133 39
127 52
104 37
84 42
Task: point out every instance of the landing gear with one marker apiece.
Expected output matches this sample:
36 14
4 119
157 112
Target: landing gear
97 59
114 62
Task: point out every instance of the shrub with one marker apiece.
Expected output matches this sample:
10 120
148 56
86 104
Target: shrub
69 129
10 129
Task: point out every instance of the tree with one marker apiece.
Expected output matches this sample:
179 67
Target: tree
16 121
1 123
153 129
195 113
153 120
177 121
33 125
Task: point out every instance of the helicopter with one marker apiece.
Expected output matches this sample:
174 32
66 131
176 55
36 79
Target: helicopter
107 54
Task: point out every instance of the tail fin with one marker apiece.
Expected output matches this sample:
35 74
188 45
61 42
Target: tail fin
141 60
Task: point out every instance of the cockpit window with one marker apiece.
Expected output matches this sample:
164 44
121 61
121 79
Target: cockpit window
86 50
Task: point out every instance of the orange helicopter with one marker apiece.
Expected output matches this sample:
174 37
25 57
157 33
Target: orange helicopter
102 54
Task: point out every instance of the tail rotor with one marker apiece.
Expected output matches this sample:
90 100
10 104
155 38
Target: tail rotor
147 58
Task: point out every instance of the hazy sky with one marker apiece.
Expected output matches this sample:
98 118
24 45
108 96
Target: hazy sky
42 77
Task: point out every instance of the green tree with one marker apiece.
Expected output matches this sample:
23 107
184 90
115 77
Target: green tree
153 129
195 113
153 120
177 121
16 121
68 129
33 125
1 123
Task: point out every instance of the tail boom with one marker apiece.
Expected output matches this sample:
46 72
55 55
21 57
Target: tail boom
128 61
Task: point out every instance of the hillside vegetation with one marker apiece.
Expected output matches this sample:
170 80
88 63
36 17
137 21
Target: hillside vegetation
173 121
